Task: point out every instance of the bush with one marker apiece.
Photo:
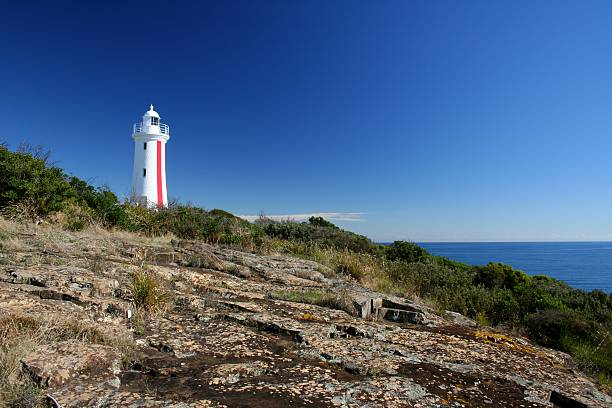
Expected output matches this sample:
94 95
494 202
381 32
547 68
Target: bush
350 264
548 327
505 309
27 181
76 224
104 204
321 222
499 276
25 176
320 232
142 219
75 218
407 252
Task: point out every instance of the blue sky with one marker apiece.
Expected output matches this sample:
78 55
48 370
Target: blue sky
420 120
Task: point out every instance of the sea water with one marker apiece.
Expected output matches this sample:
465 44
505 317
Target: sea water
583 265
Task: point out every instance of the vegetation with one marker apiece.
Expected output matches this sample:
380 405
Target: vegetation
340 300
316 231
548 311
148 292
406 251
20 335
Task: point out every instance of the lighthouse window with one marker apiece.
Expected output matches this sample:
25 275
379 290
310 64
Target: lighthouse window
145 145
144 172
154 121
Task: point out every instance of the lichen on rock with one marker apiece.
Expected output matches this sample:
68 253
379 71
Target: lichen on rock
241 329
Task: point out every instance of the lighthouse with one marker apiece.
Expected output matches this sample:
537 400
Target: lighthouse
149 174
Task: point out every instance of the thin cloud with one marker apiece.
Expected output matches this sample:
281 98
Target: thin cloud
330 216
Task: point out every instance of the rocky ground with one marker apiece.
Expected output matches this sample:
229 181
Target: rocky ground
223 340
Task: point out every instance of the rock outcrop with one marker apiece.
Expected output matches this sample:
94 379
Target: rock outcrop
224 341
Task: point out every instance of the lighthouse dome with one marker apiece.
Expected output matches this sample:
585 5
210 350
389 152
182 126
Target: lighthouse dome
151 113
151 126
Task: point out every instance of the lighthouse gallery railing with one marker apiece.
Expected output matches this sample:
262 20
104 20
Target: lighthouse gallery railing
163 128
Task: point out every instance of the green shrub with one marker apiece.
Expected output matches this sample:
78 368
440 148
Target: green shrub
407 252
348 263
76 218
499 276
548 327
24 175
594 356
319 233
104 204
321 222
454 265
505 309
587 341
141 219
75 224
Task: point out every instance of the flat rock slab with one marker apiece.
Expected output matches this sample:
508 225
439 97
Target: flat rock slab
59 364
223 341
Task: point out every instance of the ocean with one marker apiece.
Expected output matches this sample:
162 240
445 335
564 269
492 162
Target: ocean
583 265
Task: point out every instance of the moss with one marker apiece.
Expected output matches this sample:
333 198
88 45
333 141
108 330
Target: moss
310 317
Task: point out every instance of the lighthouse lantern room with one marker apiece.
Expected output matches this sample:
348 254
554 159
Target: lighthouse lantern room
149 175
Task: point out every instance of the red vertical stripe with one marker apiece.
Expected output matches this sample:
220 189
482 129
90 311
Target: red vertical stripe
160 193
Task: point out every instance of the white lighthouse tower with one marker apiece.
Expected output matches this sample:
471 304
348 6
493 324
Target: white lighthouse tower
149 176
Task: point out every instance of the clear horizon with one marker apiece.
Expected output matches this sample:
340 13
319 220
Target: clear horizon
419 121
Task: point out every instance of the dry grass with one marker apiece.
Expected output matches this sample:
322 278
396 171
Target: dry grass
334 300
369 270
94 234
100 233
24 211
21 334
7 227
9 239
14 244
30 240
148 292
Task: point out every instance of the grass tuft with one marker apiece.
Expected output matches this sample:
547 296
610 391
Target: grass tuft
20 335
148 292
326 298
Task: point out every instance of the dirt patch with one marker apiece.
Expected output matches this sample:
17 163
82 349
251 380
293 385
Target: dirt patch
466 388
165 376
